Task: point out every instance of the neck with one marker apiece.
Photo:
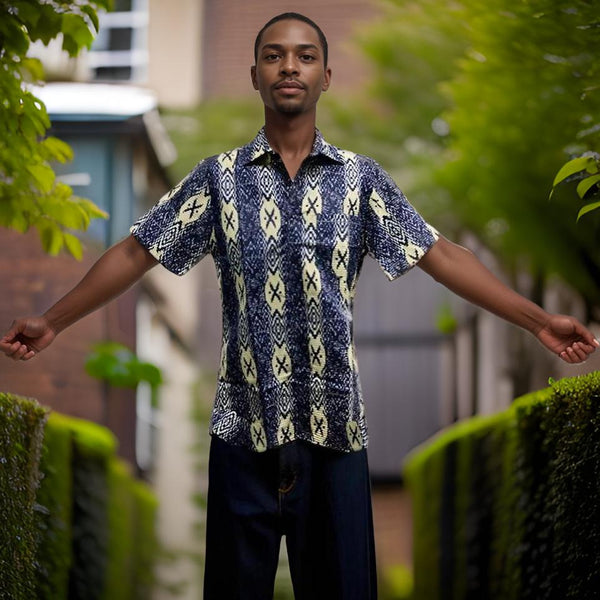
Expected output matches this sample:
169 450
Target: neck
290 135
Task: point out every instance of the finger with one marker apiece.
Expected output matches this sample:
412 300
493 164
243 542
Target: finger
30 354
567 356
11 349
586 334
579 352
20 352
576 353
585 350
14 330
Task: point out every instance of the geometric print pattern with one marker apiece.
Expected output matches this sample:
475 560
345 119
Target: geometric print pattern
288 253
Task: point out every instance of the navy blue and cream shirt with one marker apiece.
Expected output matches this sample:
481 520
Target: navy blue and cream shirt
288 253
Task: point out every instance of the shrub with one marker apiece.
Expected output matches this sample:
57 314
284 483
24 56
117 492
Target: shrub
93 446
119 573
145 540
54 498
21 430
506 507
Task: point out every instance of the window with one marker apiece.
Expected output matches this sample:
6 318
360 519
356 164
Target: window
120 52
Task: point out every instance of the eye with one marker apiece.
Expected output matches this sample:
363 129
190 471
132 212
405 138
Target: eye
271 57
307 57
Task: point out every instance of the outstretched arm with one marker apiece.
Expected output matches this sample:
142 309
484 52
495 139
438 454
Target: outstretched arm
460 271
114 272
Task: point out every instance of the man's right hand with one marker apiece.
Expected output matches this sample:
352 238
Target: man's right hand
26 338
116 270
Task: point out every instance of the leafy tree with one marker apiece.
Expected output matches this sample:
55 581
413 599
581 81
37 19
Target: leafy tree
119 366
490 97
30 195
517 106
586 171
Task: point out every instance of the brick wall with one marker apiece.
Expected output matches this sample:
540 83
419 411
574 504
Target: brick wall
31 282
231 27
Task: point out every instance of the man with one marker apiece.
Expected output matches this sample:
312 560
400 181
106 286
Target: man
288 220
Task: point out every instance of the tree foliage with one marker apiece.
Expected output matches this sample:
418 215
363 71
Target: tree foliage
493 98
119 366
586 171
30 194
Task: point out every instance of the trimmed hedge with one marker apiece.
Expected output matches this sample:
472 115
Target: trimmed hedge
508 506
93 447
121 543
145 540
21 430
87 529
54 498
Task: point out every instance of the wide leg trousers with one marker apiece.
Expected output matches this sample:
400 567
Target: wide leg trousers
318 498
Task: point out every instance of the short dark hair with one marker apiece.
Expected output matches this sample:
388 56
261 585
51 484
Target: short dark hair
293 17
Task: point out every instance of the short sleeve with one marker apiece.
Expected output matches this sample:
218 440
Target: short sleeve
177 231
396 235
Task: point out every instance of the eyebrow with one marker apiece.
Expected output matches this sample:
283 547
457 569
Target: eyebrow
274 46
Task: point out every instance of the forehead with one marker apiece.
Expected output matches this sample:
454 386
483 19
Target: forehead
290 32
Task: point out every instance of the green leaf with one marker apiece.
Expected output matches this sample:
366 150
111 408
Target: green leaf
28 12
43 176
57 149
51 237
73 245
573 166
19 222
586 184
92 210
91 13
588 208
148 372
592 167
77 34
118 365
34 69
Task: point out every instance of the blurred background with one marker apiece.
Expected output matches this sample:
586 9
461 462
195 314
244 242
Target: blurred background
472 108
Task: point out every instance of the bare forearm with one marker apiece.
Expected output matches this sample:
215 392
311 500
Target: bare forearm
114 272
460 271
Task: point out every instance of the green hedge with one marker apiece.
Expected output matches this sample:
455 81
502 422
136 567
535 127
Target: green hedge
21 430
93 447
508 506
145 540
86 530
54 498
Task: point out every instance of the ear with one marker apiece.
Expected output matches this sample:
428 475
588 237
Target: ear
326 80
253 77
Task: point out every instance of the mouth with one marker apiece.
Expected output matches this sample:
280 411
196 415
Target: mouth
289 86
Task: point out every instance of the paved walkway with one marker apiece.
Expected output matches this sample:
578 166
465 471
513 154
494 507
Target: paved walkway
393 526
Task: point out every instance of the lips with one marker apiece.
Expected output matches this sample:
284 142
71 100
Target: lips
289 85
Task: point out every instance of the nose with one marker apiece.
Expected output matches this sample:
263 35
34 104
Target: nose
289 65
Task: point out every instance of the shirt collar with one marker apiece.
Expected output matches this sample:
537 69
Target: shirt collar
260 150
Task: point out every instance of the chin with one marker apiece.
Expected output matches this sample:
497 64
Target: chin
289 108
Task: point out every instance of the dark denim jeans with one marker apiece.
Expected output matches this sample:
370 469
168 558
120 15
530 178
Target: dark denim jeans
318 498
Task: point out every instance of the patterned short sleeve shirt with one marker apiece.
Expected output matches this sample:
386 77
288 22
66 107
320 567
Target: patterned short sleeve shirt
288 253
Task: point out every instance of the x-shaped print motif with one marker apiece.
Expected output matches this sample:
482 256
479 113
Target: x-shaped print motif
282 364
258 436
270 217
229 220
342 258
319 425
192 209
276 292
315 354
311 280
355 434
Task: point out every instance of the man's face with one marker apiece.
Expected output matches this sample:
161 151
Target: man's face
290 71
